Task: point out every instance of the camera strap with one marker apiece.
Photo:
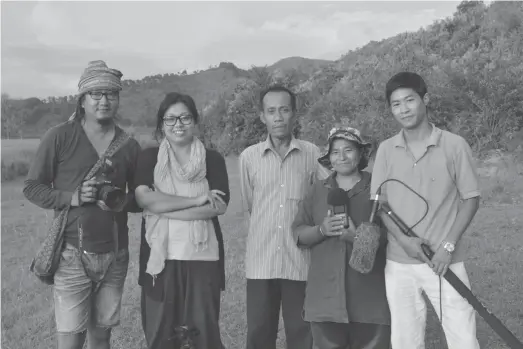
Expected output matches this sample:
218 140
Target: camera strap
115 145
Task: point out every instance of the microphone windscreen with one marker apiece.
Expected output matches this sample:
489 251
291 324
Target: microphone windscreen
365 247
337 197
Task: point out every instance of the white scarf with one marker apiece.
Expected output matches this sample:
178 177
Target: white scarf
172 178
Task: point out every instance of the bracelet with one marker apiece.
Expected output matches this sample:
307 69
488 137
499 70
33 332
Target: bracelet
321 231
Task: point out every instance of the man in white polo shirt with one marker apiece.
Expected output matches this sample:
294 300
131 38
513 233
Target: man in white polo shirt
439 166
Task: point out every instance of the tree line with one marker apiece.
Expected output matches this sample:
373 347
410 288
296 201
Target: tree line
470 60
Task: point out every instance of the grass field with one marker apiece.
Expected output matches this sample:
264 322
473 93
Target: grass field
495 270
12 147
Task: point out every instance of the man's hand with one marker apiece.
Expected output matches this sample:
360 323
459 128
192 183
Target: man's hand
412 246
441 261
210 197
332 225
87 193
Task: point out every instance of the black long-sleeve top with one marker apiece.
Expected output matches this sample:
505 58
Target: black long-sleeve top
217 178
65 155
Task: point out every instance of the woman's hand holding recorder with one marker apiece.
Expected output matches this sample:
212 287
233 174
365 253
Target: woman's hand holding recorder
332 225
349 234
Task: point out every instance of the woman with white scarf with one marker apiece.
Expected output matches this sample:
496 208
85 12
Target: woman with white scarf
182 187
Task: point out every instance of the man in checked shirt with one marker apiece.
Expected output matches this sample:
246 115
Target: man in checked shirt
275 175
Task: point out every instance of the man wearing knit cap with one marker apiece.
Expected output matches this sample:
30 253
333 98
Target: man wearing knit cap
89 281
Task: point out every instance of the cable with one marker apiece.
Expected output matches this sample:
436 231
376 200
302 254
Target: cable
440 306
378 192
501 330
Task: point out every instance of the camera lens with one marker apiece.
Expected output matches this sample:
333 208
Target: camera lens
113 197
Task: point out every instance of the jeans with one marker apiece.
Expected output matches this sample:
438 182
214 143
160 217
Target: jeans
78 300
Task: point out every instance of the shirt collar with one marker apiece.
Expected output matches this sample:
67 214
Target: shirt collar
433 140
267 145
330 182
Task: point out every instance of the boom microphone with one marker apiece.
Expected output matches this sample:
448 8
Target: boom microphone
375 205
366 243
460 287
405 229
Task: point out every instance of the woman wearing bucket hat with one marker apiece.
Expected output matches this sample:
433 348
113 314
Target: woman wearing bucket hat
346 308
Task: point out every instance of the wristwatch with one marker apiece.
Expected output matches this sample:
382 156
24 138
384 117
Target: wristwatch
449 246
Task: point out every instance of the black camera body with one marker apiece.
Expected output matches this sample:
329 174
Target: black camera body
185 336
112 196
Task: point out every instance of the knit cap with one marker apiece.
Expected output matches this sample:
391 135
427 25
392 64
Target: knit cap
97 76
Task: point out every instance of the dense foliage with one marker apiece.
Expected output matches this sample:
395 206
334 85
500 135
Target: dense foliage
471 62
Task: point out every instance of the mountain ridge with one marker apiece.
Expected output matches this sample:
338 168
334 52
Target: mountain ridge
471 62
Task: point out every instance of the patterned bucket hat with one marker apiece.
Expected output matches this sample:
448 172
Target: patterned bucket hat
352 135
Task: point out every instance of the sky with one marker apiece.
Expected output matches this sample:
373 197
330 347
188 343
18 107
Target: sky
45 46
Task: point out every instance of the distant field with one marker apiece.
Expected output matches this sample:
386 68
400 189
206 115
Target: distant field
18 153
12 147
495 254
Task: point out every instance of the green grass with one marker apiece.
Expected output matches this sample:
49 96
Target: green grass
16 157
494 267
12 147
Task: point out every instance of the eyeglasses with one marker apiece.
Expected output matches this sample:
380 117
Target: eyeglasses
185 119
97 95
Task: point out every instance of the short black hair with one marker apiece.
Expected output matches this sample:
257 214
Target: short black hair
406 80
169 100
278 88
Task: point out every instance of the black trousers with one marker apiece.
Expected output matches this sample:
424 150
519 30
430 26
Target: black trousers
187 294
332 335
264 299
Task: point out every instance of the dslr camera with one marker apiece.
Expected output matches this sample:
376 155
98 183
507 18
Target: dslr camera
112 196
184 336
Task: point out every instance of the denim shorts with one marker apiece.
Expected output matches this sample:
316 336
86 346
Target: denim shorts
77 301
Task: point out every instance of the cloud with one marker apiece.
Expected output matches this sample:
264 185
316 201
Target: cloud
39 70
155 27
46 45
313 35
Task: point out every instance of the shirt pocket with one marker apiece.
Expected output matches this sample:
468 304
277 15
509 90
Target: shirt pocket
324 278
299 185
68 256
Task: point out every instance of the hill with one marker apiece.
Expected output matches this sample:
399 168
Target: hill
471 62
298 65
140 99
